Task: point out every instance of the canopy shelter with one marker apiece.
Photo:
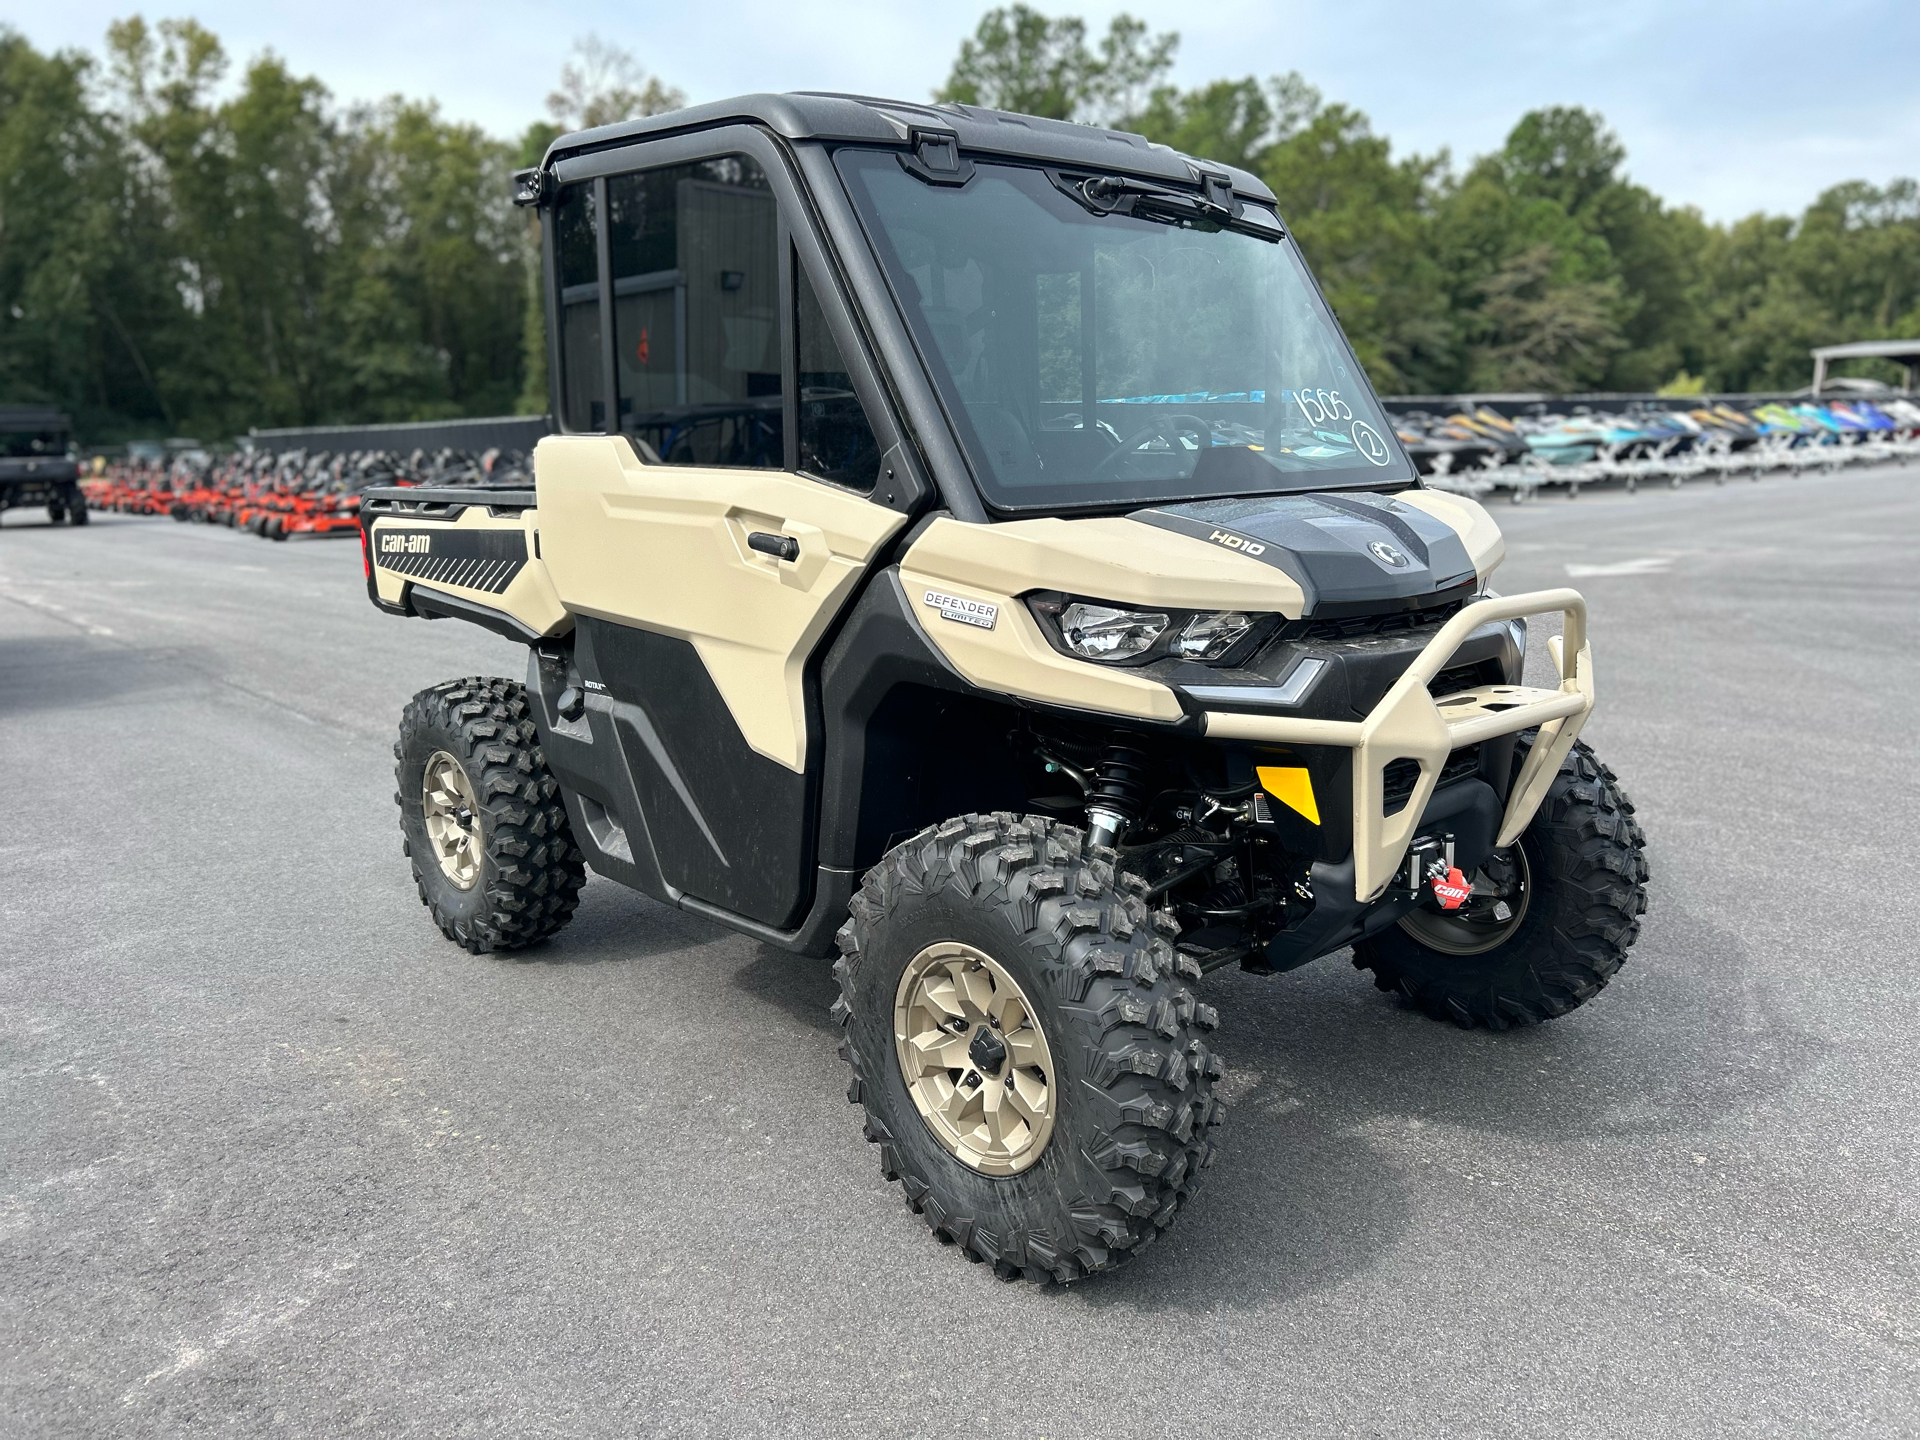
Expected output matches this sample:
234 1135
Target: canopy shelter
1901 352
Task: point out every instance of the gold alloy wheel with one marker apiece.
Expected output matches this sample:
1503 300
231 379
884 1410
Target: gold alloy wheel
1502 889
453 819
974 1058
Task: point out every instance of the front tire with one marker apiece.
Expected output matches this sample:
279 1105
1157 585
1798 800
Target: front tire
1105 1142
1581 881
481 817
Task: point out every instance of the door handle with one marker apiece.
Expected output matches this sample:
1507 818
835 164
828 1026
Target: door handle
781 547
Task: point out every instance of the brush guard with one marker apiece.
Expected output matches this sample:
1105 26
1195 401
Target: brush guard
1410 723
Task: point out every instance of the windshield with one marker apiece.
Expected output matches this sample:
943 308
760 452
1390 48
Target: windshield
1210 361
24 444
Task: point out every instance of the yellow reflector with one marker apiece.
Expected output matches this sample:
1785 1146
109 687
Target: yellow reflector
1292 787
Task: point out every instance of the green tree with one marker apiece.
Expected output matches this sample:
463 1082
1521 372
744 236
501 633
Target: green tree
1568 155
185 251
434 276
1538 330
1017 59
603 84
1848 269
72 294
1365 223
1564 154
241 186
1232 122
1535 296
1361 217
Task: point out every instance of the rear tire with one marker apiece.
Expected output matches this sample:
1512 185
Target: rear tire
1130 1107
529 872
1588 878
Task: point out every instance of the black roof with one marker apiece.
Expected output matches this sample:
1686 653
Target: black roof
862 119
31 417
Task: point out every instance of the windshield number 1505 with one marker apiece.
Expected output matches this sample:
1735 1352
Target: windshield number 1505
1321 407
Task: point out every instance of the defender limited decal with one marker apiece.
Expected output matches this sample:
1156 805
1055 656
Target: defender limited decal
483 560
965 612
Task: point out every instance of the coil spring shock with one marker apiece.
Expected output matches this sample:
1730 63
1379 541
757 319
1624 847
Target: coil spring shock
1119 795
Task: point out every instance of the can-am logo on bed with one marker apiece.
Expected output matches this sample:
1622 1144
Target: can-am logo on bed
483 560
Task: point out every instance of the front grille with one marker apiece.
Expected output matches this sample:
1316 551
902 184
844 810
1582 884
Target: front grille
1461 677
1402 775
1347 627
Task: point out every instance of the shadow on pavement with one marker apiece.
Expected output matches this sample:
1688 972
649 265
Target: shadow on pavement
1327 1078
71 670
615 924
800 986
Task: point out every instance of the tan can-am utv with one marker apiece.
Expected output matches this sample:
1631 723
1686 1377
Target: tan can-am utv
970 542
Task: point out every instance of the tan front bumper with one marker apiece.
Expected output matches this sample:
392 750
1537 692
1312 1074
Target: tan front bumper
1410 723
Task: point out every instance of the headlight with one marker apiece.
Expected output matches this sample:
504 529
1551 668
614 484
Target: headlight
1094 630
1210 634
1100 632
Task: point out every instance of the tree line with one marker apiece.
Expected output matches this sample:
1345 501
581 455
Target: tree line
183 254
1539 267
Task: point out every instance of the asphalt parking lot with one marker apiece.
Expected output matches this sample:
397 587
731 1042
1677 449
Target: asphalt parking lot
276 1159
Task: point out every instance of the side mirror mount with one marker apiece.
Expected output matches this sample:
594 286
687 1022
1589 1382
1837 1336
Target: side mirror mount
532 187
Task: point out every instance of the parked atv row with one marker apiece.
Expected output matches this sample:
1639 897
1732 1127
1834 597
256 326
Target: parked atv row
1474 449
293 492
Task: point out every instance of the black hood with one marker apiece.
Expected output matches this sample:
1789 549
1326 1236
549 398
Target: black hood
1348 552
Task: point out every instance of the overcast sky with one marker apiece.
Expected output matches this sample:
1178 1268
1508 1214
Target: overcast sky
1732 107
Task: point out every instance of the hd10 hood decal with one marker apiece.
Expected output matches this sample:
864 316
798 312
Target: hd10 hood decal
1341 549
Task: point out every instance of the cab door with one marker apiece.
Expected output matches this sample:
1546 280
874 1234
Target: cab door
707 538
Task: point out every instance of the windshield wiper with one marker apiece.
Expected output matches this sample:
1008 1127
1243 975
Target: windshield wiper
1124 195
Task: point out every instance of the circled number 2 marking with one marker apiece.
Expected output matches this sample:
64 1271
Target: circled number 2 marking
1367 440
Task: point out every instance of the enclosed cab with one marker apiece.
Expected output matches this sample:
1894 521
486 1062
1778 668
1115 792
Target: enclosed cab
37 464
971 545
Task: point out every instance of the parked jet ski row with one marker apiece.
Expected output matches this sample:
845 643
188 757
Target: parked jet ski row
1474 449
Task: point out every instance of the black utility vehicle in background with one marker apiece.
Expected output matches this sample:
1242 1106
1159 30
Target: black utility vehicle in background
37 466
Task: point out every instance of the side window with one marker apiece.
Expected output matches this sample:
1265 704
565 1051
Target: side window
836 442
695 253
583 393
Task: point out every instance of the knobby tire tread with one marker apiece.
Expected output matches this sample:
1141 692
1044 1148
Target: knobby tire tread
533 870
1127 1034
1592 861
